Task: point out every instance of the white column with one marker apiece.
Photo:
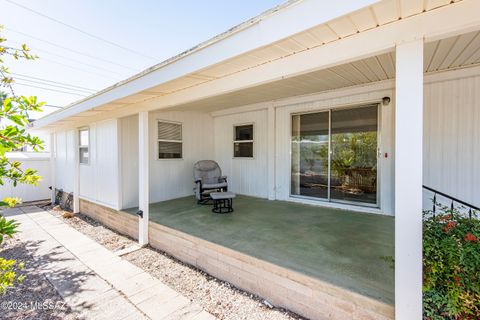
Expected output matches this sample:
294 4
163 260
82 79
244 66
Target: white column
52 147
271 152
408 180
76 173
143 181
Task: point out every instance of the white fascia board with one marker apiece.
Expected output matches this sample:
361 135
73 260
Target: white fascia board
292 19
448 20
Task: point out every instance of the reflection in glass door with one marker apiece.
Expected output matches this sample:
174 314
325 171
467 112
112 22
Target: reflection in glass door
334 155
310 155
354 155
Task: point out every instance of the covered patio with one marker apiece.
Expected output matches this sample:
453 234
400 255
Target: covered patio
414 67
339 247
335 251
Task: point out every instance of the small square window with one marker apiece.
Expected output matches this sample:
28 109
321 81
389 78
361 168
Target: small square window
243 150
84 155
84 137
169 150
243 141
244 132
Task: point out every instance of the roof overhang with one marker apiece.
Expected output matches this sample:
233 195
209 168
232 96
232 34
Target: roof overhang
271 26
273 47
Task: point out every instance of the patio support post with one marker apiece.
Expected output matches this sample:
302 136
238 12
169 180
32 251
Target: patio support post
408 180
52 166
143 181
76 173
271 152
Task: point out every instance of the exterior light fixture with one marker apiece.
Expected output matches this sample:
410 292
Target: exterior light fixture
385 101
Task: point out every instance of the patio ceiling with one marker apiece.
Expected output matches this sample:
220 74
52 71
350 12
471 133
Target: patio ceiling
367 70
455 52
377 68
379 14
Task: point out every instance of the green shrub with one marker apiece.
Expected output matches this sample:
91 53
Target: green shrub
15 113
451 266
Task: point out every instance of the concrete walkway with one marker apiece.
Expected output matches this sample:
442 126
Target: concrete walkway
94 281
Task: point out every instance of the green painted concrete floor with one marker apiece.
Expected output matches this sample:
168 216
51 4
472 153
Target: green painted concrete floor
337 246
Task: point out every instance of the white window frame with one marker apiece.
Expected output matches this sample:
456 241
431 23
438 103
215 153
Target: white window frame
54 146
80 147
164 140
244 141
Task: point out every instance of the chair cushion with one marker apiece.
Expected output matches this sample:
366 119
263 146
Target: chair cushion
214 185
222 195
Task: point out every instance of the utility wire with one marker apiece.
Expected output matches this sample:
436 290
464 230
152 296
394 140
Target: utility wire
56 82
54 85
71 59
68 49
79 69
82 31
49 89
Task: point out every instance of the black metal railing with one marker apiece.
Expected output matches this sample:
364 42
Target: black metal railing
471 208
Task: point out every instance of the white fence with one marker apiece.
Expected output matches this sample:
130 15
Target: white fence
36 161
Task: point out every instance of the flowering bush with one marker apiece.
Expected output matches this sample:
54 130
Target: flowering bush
451 266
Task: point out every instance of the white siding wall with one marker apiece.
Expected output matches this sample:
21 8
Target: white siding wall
129 161
452 138
245 176
99 179
64 157
27 192
451 154
451 148
173 178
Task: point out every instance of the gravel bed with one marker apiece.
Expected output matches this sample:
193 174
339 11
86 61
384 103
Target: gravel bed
220 298
92 228
35 298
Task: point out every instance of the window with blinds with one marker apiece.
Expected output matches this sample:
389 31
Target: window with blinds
170 142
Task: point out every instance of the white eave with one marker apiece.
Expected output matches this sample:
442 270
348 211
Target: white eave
291 28
271 26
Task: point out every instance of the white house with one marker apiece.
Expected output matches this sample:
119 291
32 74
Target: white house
352 105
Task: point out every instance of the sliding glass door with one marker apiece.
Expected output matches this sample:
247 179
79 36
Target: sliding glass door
334 155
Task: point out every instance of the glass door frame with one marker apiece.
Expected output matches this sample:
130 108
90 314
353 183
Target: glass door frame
379 154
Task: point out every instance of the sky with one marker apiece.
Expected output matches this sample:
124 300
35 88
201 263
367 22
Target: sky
134 35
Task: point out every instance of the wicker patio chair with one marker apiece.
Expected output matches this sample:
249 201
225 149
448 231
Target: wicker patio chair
208 178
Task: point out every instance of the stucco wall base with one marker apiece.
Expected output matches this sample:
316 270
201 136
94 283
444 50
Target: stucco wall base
119 221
